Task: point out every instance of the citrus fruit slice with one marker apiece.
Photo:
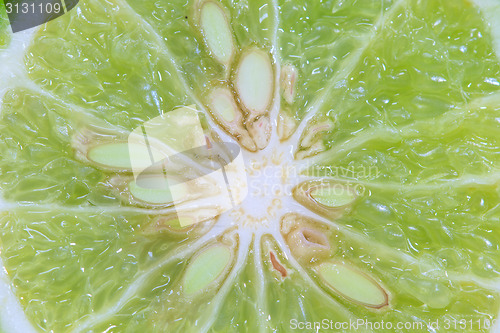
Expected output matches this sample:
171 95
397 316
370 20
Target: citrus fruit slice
369 135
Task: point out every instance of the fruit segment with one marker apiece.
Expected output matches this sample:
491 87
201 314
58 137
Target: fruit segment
155 191
222 103
311 142
286 124
108 149
103 149
260 130
216 31
168 223
154 196
306 238
308 244
254 81
314 133
206 268
328 198
332 196
353 284
277 265
289 76
434 294
111 155
225 110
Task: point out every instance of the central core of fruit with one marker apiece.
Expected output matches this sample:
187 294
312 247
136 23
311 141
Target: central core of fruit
269 184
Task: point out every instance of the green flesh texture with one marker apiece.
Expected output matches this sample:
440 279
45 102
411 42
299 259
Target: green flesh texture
417 107
5 36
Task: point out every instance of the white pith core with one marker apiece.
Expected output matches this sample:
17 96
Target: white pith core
270 182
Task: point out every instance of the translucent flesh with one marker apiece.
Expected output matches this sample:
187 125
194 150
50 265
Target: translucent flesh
353 284
5 36
205 269
413 88
113 155
331 197
216 31
254 81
